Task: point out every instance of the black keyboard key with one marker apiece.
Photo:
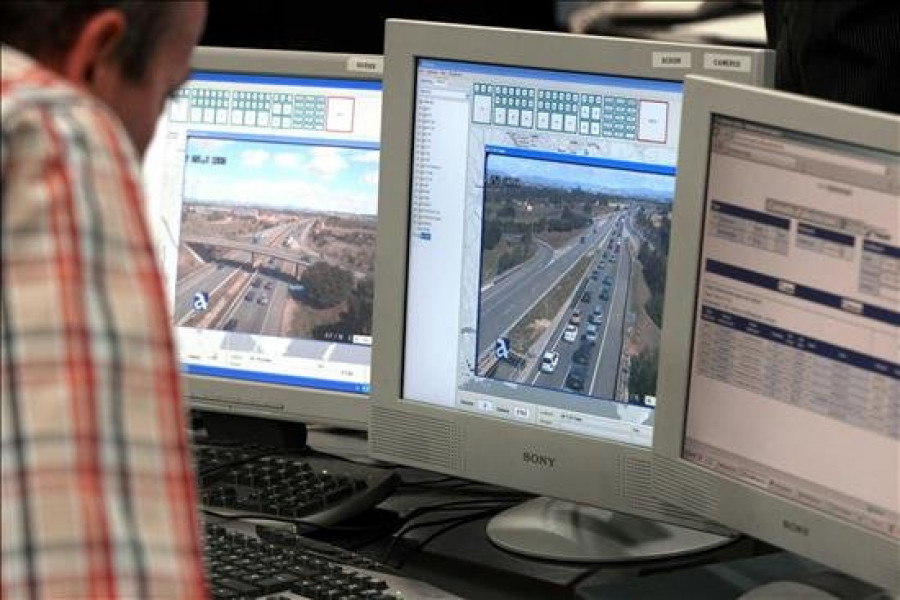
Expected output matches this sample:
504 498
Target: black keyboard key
303 571
239 587
352 588
308 589
223 593
329 581
250 577
283 580
277 583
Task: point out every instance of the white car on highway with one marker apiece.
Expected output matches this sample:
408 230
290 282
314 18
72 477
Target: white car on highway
571 333
549 361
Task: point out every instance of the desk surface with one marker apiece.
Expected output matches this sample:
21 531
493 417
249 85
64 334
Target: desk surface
463 561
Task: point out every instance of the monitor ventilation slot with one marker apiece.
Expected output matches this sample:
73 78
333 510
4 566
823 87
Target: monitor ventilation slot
421 440
686 487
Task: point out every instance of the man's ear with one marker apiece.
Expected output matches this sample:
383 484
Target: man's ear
87 63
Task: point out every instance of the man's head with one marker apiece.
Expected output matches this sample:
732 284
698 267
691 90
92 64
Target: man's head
129 54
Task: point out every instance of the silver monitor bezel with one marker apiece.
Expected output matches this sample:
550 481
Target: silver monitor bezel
586 470
259 399
794 527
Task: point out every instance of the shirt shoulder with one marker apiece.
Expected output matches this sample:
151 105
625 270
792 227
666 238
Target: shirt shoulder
25 83
35 98
50 128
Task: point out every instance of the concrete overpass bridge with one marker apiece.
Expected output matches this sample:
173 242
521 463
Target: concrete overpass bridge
252 249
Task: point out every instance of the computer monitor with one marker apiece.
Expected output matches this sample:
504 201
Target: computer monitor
262 180
526 185
779 411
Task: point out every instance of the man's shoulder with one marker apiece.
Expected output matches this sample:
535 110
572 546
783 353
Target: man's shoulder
24 80
34 99
27 85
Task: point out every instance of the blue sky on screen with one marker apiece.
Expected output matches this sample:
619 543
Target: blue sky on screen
568 175
281 175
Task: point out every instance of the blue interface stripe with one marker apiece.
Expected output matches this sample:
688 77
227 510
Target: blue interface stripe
750 215
826 234
803 292
884 249
280 80
801 342
247 137
276 378
636 83
582 160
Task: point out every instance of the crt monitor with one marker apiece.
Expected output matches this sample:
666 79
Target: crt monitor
526 189
779 399
263 180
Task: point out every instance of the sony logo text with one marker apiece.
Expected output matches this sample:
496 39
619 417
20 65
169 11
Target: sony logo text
538 459
795 527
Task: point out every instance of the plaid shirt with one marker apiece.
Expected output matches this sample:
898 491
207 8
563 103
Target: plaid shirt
98 491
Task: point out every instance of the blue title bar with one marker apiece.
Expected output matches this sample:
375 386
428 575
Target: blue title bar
802 292
801 342
577 159
284 80
749 214
883 249
277 378
826 234
279 139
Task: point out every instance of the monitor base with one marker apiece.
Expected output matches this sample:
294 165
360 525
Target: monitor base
558 530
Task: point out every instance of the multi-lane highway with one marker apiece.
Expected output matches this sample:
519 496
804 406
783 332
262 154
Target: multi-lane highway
589 363
248 286
244 295
512 295
587 335
212 278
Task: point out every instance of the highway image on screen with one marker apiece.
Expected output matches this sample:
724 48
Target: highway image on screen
572 276
277 239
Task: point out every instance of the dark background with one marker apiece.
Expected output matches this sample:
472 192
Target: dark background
837 50
356 27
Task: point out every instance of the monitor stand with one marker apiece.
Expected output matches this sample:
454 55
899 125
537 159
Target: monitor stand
224 428
559 530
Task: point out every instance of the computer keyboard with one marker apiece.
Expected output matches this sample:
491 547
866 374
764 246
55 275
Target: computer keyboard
245 566
260 482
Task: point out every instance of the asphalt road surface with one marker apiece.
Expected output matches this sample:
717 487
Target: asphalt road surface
601 300
510 298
